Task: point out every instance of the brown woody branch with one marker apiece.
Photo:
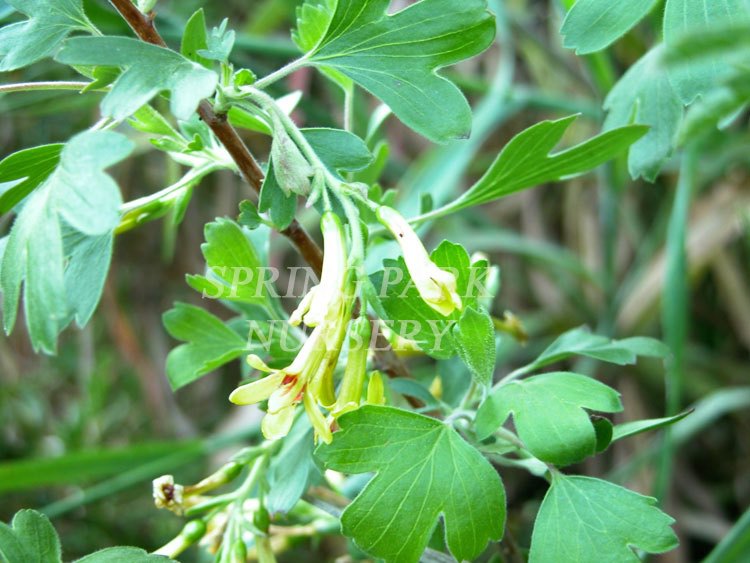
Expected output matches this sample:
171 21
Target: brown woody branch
143 26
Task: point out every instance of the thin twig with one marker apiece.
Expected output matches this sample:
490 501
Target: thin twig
144 28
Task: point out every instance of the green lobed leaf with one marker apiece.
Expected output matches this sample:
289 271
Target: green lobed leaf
210 344
29 539
78 195
396 57
585 520
581 342
526 161
424 469
27 169
122 555
474 334
219 43
645 95
88 259
410 317
149 71
290 470
689 18
195 38
548 411
49 23
592 25
234 270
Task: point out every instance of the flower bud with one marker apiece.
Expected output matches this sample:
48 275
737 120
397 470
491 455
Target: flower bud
437 287
352 384
376 389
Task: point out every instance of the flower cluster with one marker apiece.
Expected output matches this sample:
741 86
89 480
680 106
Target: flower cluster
308 380
327 309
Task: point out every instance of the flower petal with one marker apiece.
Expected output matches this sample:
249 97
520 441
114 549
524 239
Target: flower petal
257 391
277 425
318 420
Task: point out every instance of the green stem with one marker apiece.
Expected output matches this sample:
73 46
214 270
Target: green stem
42 86
277 75
675 309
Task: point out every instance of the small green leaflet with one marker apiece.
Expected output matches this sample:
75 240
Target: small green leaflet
410 317
27 169
29 538
396 57
290 470
80 196
585 520
548 414
49 23
592 25
234 269
150 70
424 469
210 344
475 341
688 18
581 342
645 95
195 39
628 429
123 555
526 161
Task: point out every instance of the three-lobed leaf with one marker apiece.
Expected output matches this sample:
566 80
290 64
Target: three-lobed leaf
396 57
234 269
645 95
585 520
77 196
49 23
210 344
548 411
581 342
424 469
149 70
526 161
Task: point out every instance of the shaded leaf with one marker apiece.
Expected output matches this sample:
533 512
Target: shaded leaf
49 23
149 71
645 95
29 539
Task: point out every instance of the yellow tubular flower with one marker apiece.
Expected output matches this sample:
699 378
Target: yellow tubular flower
323 303
436 286
309 378
352 384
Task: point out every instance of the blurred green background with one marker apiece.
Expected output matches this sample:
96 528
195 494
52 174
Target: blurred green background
82 434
